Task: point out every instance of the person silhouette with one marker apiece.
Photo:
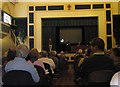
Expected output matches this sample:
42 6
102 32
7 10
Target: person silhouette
50 44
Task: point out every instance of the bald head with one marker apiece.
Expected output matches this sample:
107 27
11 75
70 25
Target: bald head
22 51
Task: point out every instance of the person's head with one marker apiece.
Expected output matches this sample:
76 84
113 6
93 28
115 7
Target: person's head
53 53
11 54
50 39
97 45
22 51
115 54
62 52
34 54
44 53
40 54
80 51
88 52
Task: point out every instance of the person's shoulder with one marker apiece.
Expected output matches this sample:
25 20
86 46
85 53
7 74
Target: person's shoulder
89 58
10 62
106 56
118 73
28 63
50 59
101 56
29 66
115 79
40 59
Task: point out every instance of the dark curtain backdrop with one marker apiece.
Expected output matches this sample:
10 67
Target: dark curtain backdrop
51 26
89 33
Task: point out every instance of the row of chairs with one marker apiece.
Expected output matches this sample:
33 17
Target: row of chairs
17 76
98 78
23 78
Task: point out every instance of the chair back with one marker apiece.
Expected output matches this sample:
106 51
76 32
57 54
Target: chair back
40 70
100 76
44 79
47 66
17 78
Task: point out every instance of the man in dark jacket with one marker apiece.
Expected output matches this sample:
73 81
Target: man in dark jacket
98 61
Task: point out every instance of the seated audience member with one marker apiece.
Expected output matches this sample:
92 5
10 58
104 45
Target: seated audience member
115 55
98 61
10 56
19 63
78 56
38 64
34 55
52 55
47 60
108 52
79 53
62 61
88 52
115 81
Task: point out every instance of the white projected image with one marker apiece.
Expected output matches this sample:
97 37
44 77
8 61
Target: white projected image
6 18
